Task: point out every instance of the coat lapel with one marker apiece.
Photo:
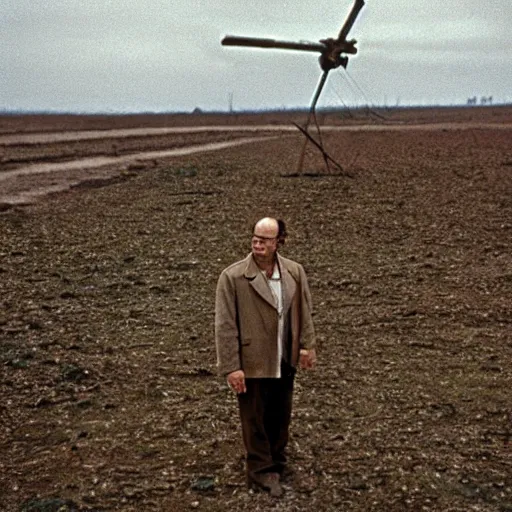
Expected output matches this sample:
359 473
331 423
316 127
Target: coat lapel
258 282
288 283
261 287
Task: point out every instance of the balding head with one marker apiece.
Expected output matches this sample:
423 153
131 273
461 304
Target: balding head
266 228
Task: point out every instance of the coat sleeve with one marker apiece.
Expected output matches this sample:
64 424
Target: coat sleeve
226 326
307 337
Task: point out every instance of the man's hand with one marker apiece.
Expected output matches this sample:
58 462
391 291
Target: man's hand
307 358
236 381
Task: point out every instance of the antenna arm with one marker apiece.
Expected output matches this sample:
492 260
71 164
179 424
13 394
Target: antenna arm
258 42
349 22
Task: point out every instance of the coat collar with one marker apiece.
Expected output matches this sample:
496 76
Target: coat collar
258 282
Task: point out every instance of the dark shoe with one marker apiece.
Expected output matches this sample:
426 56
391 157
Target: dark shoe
271 481
268 482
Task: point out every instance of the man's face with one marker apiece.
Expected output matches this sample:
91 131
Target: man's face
264 242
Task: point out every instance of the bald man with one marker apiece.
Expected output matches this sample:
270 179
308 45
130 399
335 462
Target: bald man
263 331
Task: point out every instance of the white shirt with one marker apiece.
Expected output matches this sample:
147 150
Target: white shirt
276 288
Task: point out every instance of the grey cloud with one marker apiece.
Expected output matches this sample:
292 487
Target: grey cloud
161 54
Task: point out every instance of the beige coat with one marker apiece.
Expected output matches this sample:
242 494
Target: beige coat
246 318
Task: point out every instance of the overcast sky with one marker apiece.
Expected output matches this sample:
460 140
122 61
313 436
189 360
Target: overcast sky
165 55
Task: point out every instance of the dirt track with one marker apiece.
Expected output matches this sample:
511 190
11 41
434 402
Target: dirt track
48 177
109 397
23 185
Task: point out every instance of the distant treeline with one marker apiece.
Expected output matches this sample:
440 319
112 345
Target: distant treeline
198 111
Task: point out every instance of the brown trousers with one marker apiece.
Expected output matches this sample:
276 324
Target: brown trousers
265 411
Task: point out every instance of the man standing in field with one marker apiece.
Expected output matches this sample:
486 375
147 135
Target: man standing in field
263 330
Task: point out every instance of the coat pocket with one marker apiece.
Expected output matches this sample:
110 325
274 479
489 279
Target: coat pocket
246 341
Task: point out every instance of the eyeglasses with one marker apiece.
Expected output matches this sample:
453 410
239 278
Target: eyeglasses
263 239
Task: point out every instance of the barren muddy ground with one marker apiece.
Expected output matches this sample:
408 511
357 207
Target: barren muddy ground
109 397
